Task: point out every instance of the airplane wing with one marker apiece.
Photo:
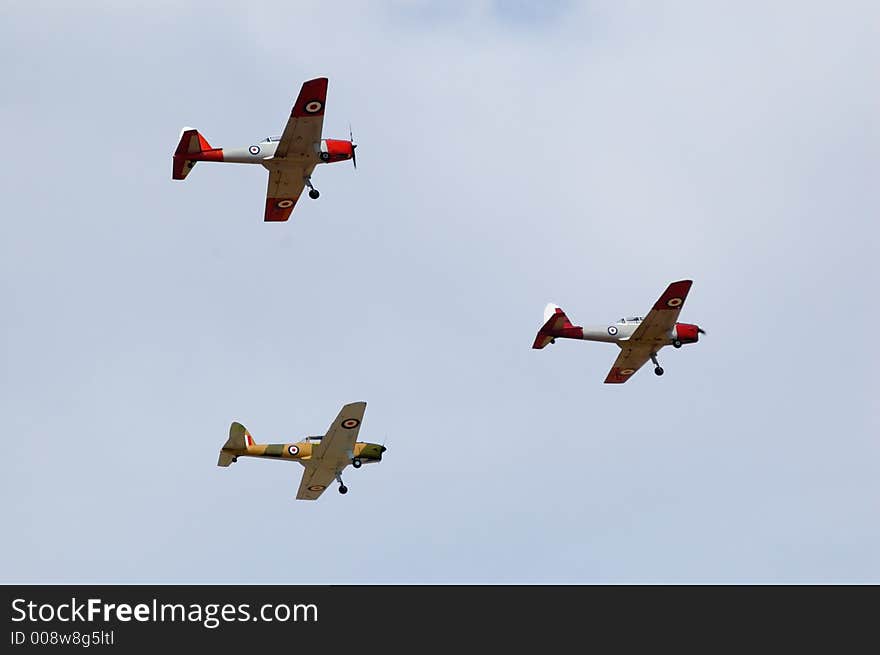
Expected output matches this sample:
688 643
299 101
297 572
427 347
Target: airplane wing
651 335
303 129
630 360
316 478
341 436
334 452
285 186
655 327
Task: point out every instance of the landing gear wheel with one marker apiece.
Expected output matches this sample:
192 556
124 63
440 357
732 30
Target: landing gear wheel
676 344
313 194
234 459
356 462
325 156
343 489
658 370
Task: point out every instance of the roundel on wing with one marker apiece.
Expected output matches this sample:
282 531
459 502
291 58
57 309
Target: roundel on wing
284 204
317 487
313 107
350 423
627 371
674 302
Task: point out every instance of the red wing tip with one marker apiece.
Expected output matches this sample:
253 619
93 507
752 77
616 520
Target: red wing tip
674 296
318 81
615 376
279 209
311 99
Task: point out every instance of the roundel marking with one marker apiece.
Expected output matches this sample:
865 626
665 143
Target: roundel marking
350 423
254 150
627 371
284 204
317 487
314 106
674 302
293 450
612 330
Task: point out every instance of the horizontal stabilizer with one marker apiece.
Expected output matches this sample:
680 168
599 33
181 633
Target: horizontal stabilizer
191 148
556 324
239 440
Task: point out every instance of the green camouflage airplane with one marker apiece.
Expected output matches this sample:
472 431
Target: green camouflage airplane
323 458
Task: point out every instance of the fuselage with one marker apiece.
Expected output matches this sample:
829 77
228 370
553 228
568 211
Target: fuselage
301 451
624 328
621 330
326 151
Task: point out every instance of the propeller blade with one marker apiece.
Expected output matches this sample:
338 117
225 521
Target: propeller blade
354 160
701 330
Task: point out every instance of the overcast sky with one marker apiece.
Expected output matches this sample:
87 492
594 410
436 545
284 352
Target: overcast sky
510 154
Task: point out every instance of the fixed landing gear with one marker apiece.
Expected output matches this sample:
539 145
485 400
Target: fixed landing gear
676 344
313 192
356 462
234 460
658 370
342 488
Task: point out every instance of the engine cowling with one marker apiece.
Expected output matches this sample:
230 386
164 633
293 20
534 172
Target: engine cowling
686 333
333 150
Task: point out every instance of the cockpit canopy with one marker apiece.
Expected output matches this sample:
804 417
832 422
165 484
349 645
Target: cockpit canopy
269 139
631 319
314 439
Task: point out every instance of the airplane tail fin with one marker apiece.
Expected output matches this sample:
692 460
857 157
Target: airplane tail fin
239 439
191 148
556 324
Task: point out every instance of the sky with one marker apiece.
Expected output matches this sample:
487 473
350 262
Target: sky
509 155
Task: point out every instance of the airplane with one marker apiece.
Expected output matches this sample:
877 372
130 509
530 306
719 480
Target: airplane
638 337
290 158
324 458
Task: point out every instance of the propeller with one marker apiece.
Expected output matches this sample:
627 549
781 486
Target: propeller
353 146
701 330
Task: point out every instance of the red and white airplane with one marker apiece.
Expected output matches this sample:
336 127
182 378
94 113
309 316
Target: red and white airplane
290 158
639 338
